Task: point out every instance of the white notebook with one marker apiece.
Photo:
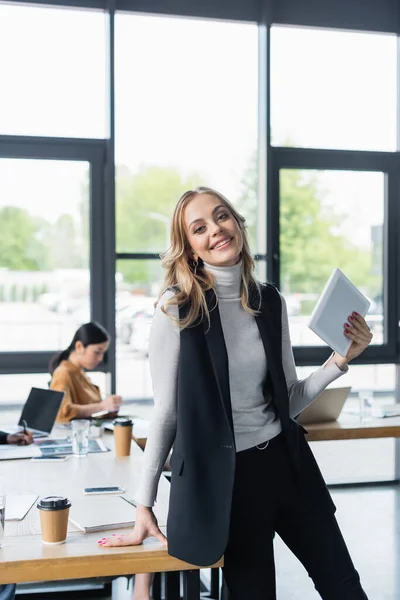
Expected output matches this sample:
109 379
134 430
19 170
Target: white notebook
338 300
100 513
18 506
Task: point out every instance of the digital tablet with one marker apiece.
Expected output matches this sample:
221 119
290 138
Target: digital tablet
338 300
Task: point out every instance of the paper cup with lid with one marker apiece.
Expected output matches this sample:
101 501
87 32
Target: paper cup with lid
54 513
122 435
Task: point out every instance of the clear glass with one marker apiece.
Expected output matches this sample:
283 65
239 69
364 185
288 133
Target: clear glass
44 253
366 399
182 123
54 63
2 516
324 224
80 436
333 89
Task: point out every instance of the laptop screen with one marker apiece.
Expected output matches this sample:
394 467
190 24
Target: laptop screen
41 408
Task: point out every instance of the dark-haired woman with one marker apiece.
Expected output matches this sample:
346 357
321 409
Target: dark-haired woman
82 398
67 368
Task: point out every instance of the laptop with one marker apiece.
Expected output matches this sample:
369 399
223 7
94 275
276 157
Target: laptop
327 407
40 411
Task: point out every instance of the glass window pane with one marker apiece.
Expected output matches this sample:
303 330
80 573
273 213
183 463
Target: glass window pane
14 390
186 114
333 89
324 225
53 70
44 253
138 285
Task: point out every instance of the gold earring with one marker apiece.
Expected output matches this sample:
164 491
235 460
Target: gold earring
195 265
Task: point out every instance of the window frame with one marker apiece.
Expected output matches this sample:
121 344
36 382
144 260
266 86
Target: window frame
94 153
310 159
103 256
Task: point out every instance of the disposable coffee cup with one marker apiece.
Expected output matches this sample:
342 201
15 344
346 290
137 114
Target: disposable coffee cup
122 436
54 512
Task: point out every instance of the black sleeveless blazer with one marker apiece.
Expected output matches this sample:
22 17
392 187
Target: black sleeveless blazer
203 459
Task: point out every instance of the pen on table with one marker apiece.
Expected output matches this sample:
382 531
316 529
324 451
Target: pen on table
129 501
25 425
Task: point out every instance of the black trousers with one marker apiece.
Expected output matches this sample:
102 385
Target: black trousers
267 498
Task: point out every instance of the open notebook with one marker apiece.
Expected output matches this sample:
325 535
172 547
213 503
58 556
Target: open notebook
100 513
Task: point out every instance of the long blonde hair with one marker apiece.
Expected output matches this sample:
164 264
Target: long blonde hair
190 283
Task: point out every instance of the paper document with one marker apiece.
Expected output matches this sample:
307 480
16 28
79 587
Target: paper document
12 452
101 513
18 506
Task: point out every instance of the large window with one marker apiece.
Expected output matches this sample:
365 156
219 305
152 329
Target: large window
186 115
44 253
53 71
334 191
324 224
333 89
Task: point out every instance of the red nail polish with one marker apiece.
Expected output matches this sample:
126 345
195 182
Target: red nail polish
356 314
351 318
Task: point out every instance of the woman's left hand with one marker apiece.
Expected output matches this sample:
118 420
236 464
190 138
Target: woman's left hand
358 331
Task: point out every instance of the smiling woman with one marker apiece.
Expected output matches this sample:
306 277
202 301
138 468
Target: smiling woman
212 230
206 231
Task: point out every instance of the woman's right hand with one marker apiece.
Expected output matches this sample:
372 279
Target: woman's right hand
145 526
112 403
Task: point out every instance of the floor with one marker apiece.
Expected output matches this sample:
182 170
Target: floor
370 521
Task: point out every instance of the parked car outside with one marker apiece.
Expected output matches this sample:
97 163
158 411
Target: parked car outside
125 319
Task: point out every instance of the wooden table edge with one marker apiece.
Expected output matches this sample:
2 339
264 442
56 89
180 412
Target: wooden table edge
322 432
114 562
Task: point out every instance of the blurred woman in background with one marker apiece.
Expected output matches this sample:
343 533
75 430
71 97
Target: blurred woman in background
67 369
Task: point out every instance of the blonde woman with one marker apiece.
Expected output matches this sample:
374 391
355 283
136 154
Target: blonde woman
226 396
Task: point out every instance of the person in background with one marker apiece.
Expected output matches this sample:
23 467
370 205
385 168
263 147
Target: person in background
67 369
20 439
7 592
82 398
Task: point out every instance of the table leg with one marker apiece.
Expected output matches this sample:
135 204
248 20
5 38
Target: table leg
225 595
156 589
397 459
191 585
172 585
215 584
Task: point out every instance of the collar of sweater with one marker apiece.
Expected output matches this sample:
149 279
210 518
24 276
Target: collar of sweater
227 280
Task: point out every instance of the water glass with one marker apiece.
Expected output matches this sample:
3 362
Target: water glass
366 400
80 437
2 516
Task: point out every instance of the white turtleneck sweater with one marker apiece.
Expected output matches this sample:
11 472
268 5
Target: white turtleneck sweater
254 419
